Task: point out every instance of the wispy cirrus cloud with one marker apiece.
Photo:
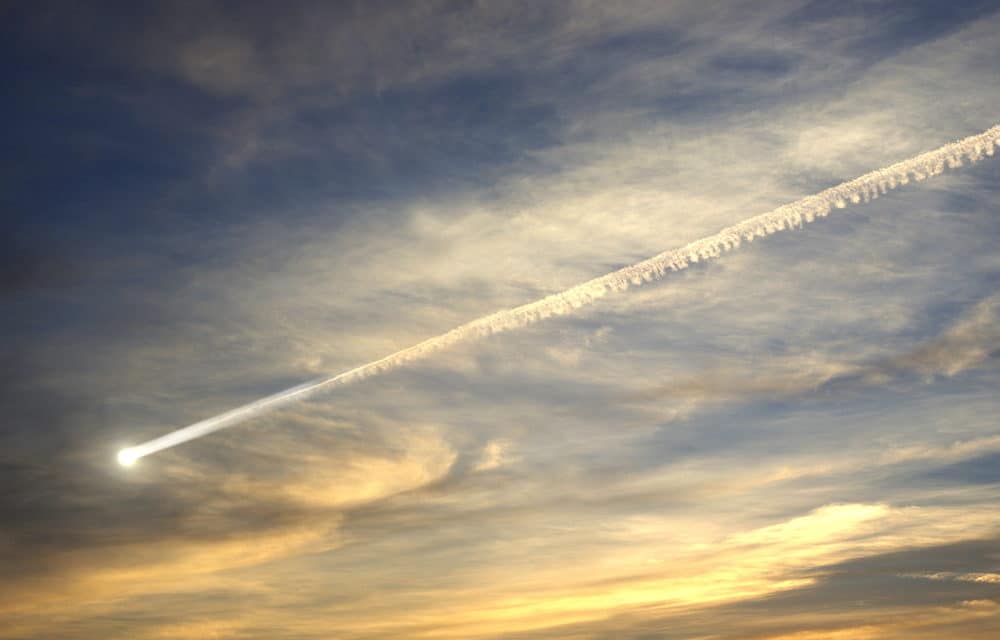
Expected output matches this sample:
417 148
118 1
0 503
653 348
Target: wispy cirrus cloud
212 206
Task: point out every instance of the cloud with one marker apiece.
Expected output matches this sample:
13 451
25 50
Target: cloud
495 454
693 572
859 598
198 533
966 344
984 578
215 205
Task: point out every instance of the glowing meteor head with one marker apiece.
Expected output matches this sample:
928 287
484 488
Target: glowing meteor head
127 457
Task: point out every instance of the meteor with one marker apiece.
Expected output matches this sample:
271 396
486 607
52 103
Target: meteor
793 215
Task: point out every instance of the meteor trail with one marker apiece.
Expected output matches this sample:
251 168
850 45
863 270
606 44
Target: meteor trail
862 189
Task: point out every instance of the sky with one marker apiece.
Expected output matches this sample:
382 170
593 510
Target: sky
206 203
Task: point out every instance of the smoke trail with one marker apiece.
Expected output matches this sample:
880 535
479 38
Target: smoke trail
862 189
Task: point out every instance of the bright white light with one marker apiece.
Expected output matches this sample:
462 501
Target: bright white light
127 457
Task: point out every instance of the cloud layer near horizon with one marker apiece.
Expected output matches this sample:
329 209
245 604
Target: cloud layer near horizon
795 441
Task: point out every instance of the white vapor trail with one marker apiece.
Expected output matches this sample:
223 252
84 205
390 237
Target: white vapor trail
861 189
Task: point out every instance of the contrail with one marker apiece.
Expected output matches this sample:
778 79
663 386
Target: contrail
861 189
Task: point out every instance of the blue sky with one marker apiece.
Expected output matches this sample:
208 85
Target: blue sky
207 203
